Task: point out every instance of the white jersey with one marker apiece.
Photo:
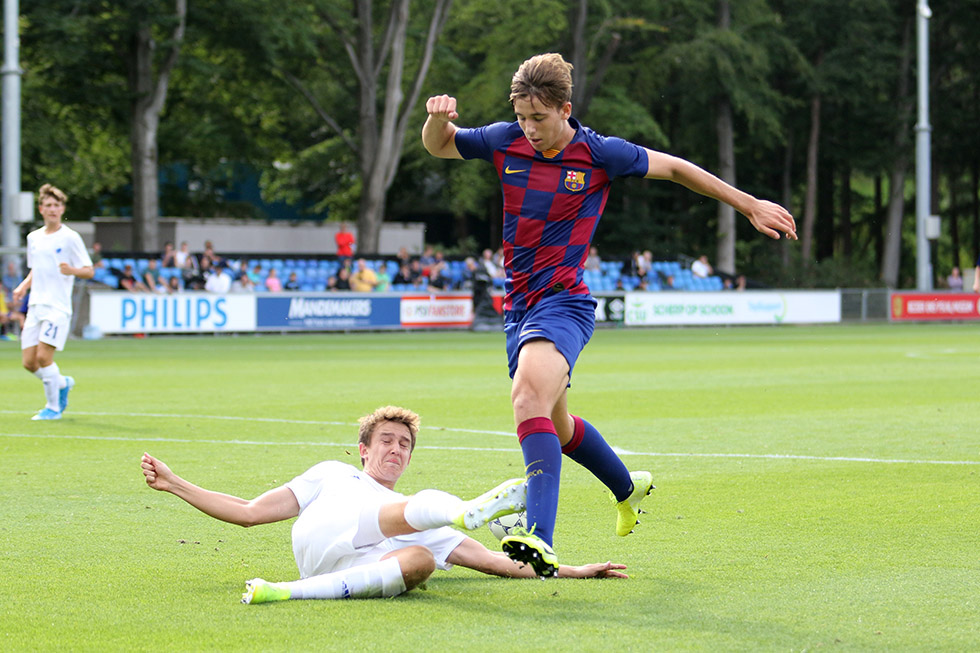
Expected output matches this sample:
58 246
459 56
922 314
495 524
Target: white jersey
45 252
331 495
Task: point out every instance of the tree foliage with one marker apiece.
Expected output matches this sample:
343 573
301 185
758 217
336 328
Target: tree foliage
308 99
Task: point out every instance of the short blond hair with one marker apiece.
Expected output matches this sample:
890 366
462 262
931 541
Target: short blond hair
387 414
544 77
47 190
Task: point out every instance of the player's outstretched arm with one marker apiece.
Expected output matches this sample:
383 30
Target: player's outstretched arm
473 555
84 272
438 132
595 570
767 217
275 505
23 287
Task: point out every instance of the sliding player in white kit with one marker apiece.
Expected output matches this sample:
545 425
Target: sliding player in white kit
55 255
355 536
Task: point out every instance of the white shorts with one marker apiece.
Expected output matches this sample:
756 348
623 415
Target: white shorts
324 534
45 324
330 535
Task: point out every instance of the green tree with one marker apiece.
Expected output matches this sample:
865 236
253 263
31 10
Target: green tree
125 53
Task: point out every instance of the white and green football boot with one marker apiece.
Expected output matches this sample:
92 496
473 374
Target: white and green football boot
262 591
628 509
508 497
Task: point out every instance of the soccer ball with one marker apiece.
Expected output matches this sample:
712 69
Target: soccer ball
502 526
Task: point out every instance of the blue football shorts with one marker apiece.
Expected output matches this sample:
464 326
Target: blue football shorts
565 320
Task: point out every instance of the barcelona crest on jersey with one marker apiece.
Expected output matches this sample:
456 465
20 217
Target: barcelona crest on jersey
574 180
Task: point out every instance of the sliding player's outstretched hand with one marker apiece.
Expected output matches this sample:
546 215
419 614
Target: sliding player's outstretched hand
158 475
442 107
595 570
770 218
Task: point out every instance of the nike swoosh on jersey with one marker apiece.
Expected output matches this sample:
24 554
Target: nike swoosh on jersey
508 171
529 331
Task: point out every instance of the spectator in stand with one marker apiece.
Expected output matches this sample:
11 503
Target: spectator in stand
181 255
6 318
729 282
439 276
341 280
641 267
11 278
494 270
243 284
174 285
272 282
218 281
384 280
191 275
345 243
255 276
152 279
427 259
498 258
169 257
418 278
364 279
242 270
209 256
404 276
96 256
207 267
292 283
404 258
8 315
701 268
592 261
475 271
954 281
128 280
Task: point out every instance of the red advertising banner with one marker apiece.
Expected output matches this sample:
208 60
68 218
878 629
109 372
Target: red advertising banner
935 306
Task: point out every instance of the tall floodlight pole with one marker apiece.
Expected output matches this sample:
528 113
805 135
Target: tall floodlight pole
11 126
923 163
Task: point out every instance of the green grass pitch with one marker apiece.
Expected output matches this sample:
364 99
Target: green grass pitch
817 488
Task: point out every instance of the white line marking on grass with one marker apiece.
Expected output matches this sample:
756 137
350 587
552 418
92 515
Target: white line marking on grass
117 438
266 420
780 456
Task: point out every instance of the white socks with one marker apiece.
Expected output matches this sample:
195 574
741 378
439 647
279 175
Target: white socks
432 509
53 382
382 578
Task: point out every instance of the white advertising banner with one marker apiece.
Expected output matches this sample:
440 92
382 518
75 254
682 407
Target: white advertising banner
192 312
436 310
732 307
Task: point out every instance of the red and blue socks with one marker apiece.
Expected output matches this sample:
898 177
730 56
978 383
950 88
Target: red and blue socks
542 465
588 448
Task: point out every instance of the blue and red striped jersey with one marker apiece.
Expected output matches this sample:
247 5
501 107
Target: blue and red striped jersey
552 202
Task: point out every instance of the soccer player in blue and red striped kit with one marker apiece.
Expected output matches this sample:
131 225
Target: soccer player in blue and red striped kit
555 174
